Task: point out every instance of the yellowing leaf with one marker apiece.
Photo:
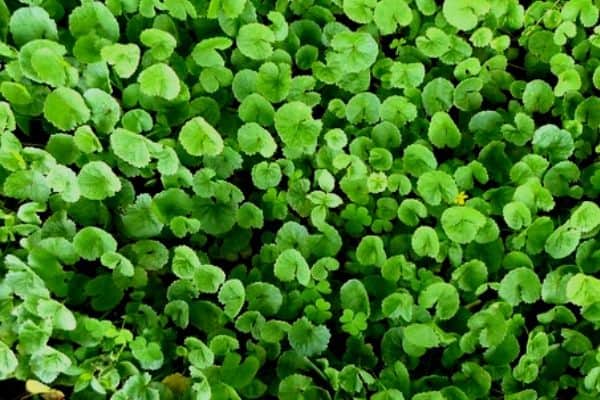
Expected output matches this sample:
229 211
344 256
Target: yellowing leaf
34 387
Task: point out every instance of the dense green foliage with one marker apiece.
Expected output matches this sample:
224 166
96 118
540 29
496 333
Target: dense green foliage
300 199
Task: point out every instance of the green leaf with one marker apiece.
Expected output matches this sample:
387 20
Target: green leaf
538 96
445 298
93 18
586 218
370 251
66 109
200 355
425 242
354 51
266 175
568 80
390 14
179 312
232 295
363 107
474 380
360 11
429 395
264 297
124 58
137 386
297 128
464 14
48 363
418 159
91 243
556 144
583 290
161 43
562 242
201 390
25 185
185 262
470 275
86 140
398 305
159 80
253 139
437 186
180 9
293 386
255 41
15 93
130 147
228 8
467 96
62 318
520 285
291 265
97 181
462 223
307 339
442 131
274 81
106 111
516 215
417 338
29 23
406 75
257 109
250 216
118 263
205 53
42 61
353 296
435 43
8 361
397 110
388 394
208 278
199 138
586 10
147 353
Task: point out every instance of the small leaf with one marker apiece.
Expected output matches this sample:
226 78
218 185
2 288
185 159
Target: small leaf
91 243
199 138
291 265
425 242
255 41
442 131
307 339
130 147
232 295
97 181
353 296
462 223
123 57
8 361
159 80
66 109
520 285
562 242
148 354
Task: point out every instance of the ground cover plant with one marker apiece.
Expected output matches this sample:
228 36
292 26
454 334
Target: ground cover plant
299 199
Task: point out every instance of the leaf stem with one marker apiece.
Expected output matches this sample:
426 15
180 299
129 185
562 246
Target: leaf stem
316 369
473 304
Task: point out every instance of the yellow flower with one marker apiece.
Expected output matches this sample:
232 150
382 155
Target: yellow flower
460 198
